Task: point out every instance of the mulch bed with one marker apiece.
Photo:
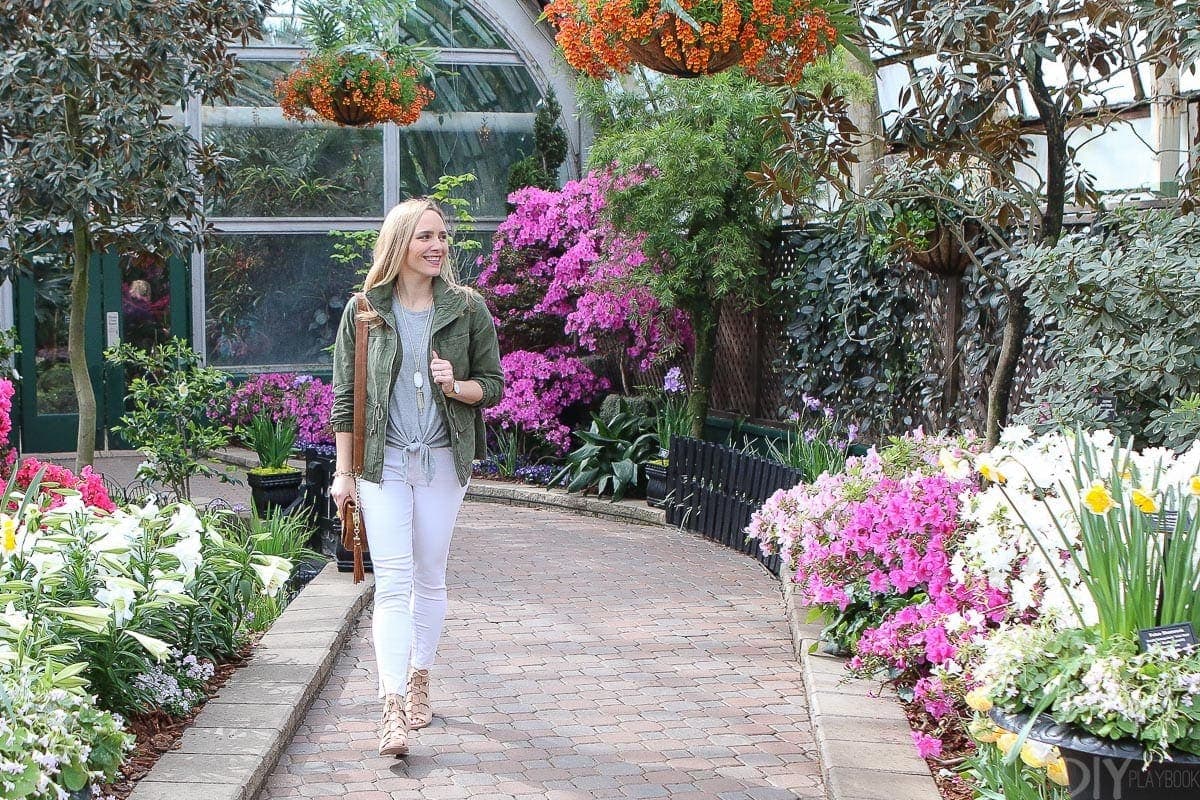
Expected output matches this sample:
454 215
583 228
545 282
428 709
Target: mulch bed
957 745
158 732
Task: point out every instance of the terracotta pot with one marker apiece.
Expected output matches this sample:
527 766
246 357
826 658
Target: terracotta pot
1105 769
650 54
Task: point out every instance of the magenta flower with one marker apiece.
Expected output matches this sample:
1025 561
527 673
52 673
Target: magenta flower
927 746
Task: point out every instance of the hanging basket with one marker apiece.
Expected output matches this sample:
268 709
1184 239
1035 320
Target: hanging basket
653 54
600 37
945 255
378 89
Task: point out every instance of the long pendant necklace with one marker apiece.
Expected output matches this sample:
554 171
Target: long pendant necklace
417 378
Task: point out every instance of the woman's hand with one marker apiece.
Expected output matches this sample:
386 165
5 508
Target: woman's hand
443 373
342 488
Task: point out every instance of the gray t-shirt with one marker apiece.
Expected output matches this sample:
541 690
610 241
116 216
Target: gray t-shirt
411 426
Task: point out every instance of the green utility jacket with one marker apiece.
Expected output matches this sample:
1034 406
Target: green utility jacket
463 334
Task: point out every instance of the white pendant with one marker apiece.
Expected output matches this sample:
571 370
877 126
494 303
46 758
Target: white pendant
418 381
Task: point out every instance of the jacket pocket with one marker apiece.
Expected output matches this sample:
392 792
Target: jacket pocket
455 349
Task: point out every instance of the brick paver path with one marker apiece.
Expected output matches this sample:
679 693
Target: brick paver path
582 658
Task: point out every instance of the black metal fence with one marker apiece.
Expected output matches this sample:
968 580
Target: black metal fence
713 490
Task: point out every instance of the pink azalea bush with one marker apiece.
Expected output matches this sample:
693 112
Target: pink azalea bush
282 395
7 454
558 267
539 387
563 286
87 483
873 547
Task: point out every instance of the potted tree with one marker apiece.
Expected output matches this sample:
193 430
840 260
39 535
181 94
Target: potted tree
274 484
1113 678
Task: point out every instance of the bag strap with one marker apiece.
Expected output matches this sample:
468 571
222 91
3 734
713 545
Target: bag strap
360 426
360 384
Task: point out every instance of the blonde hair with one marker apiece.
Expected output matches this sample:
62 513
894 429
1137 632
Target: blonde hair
391 248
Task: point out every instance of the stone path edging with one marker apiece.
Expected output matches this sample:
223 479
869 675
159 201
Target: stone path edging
864 738
524 495
235 741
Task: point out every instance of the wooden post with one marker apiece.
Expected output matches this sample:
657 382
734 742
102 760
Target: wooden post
1167 118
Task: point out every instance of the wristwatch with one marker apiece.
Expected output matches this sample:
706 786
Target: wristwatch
455 389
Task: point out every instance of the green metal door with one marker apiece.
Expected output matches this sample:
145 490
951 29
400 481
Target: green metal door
138 298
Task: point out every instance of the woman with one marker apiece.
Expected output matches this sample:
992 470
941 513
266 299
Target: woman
432 363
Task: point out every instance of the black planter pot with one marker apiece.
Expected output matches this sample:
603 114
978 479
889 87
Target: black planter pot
1104 769
270 492
319 467
656 485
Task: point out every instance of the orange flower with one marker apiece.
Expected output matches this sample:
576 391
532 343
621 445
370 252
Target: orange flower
381 90
775 40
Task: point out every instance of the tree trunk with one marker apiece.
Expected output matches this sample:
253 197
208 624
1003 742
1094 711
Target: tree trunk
1052 118
1000 390
85 398
952 363
705 322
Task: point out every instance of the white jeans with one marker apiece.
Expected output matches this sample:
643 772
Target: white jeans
408 532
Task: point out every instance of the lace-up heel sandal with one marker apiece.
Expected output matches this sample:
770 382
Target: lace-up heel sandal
417 707
393 735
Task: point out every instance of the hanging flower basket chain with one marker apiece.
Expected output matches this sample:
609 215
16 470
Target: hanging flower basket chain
774 40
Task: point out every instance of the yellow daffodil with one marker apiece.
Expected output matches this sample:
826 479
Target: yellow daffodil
1146 502
1005 741
1194 485
990 473
978 700
1098 499
984 730
1036 754
952 466
1056 771
8 534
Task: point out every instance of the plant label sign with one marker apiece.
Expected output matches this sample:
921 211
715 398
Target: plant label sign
1180 636
1108 408
1168 521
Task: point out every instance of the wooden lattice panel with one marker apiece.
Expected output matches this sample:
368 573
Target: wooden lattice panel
759 392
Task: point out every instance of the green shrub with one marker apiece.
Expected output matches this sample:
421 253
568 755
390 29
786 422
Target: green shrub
612 454
1123 299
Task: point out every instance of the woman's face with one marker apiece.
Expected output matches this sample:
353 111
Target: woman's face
428 247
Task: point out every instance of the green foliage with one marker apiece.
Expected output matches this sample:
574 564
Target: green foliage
699 137
54 741
272 441
549 150
1124 299
612 455
691 143
10 348
993 777
168 411
276 534
444 192
355 247
96 151
336 24
812 450
853 332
